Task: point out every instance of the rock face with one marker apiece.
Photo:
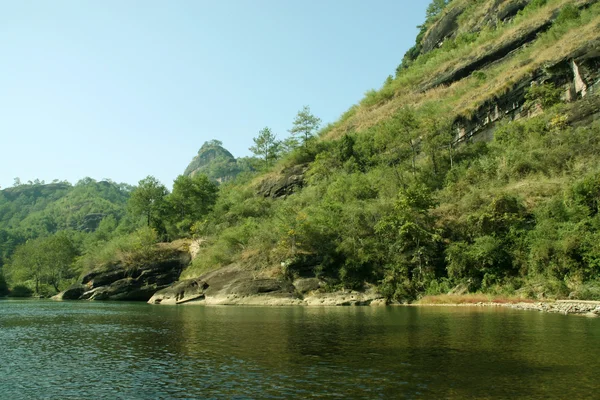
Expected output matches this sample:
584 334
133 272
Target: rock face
444 28
287 182
447 26
120 282
579 77
233 285
135 284
229 285
74 292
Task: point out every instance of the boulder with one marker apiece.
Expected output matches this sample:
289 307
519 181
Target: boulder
180 292
305 285
73 292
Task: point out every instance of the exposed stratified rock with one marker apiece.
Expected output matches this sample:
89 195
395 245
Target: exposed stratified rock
445 27
233 285
135 284
509 106
510 9
287 182
346 298
181 292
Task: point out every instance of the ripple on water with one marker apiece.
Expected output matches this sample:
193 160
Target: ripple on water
134 351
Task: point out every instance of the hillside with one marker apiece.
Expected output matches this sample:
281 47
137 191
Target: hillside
474 168
30 211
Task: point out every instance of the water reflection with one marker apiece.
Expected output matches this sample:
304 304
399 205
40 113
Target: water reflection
120 350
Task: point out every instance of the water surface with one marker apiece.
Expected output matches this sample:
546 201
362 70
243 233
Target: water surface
73 350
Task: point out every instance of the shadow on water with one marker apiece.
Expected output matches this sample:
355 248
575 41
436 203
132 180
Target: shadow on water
124 350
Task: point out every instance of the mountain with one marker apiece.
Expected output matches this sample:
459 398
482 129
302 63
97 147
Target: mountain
216 162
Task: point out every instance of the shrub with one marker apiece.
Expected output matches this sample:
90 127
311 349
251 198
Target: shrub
20 291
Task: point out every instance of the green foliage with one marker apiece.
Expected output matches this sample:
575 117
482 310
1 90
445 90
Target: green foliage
545 95
568 13
3 285
411 242
44 261
128 250
148 199
435 8
305 125
191 200
21 291
266 146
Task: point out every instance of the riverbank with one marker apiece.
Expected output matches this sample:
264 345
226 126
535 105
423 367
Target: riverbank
579 307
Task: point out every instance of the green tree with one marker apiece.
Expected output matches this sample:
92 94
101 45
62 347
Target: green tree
148 199
305 125
411 239
192 198
45 260
3 286
266 146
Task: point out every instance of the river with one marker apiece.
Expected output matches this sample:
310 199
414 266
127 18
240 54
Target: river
74 350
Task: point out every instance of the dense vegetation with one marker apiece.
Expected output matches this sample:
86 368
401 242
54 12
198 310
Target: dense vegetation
390 197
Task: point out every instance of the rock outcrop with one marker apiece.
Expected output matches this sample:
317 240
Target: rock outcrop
233 285
578 76
283 184
229 285
444 28
214 161
138 282
134 284
74 292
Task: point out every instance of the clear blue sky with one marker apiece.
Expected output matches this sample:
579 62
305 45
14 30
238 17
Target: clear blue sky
123 89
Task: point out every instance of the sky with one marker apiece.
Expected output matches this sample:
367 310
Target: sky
123 89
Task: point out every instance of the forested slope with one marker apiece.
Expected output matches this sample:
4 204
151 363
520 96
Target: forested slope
473 168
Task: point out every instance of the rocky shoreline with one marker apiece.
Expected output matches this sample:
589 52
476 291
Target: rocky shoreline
576 307
157 283
235 286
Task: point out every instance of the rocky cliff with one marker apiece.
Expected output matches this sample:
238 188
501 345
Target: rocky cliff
216 162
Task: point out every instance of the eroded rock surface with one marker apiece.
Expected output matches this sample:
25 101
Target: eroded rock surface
287 182
233 285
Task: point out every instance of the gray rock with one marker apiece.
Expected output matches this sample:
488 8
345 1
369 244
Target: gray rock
305 285
118 282
287 182
229 285
180 292
74 292
445 27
